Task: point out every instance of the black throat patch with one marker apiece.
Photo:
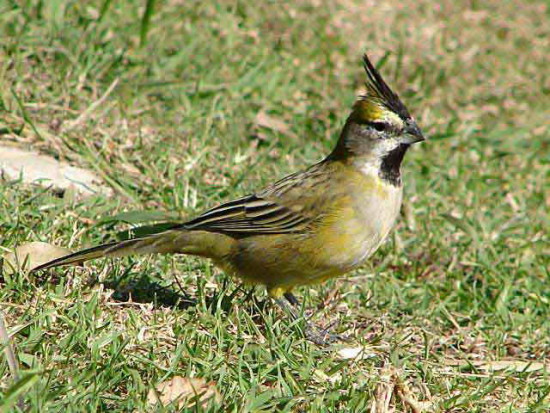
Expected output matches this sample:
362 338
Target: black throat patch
390 169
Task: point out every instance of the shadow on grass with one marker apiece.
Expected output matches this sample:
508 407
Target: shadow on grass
130 286
143 289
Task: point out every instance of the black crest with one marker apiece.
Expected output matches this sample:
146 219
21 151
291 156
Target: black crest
378 89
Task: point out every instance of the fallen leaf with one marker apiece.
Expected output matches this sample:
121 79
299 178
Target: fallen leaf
30 255
269 122
184 392
518 366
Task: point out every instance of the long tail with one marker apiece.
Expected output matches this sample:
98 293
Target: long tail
163 242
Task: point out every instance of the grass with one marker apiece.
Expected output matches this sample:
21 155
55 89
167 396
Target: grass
463 283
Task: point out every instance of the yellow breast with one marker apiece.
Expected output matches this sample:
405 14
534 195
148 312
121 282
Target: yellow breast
352 223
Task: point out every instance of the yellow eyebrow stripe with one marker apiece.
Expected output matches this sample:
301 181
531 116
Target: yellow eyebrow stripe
368 110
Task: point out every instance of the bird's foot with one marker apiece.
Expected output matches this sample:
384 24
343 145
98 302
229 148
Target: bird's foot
315 334
322 336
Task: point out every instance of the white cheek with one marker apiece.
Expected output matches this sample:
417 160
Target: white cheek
384 146
371 165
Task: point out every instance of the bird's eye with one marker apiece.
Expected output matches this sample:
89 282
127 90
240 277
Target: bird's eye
380 126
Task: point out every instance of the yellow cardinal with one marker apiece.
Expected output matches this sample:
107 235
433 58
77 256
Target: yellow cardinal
310 226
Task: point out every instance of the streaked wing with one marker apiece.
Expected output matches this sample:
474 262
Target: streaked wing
251 215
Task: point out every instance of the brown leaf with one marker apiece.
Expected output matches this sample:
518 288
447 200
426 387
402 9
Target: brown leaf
184 392
30 255
269 122
519 366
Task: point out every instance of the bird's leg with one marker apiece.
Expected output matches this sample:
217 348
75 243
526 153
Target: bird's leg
287 308
291 298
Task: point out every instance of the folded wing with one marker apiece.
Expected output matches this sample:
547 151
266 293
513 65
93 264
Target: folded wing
251 215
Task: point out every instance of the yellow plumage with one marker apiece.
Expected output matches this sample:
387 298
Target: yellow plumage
309 226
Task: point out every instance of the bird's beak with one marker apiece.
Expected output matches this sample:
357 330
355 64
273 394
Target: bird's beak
413 134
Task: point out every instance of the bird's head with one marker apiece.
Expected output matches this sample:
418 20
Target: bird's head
379 124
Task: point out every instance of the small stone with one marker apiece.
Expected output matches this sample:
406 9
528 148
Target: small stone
43 170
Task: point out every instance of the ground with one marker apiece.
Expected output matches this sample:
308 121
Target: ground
181 105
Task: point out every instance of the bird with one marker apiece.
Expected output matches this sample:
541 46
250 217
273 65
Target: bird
313 225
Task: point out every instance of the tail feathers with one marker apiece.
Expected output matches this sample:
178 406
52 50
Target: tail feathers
77 257
158 243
